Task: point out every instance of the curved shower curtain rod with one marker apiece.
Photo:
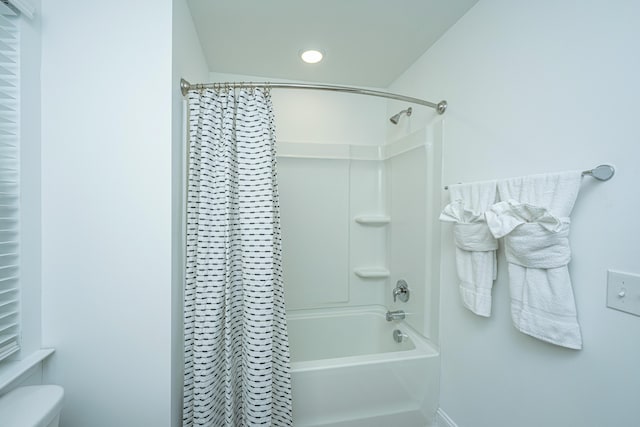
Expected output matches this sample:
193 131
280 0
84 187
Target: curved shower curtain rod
440 107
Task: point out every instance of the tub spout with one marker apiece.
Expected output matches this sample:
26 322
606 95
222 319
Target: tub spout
395 315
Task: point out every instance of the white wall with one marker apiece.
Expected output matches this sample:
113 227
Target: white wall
107 209
413 181
188 63
539 87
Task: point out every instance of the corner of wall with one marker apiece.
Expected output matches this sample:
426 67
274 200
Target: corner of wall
188 62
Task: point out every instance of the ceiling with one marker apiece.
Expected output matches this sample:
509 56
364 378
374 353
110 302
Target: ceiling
366 42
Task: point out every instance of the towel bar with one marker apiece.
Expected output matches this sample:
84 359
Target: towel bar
600 172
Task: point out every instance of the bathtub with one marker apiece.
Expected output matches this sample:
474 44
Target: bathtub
347 370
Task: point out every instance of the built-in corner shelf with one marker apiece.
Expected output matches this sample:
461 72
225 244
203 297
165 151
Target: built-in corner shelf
373 220
372 273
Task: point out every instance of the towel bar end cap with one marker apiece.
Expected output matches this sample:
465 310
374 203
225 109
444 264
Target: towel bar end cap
602 172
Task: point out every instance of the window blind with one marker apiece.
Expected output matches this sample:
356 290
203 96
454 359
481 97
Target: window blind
9 183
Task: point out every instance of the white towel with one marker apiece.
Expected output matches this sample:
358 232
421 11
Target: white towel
534 219
475 246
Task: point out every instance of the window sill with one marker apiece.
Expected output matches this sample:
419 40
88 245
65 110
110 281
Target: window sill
12 370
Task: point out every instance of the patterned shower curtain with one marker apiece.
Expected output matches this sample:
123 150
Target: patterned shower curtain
236 349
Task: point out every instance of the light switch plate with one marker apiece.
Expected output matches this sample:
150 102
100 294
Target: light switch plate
623 292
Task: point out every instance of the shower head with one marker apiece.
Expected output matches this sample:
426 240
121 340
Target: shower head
396 118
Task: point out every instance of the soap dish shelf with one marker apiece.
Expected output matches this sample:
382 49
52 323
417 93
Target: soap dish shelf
372 273
373 220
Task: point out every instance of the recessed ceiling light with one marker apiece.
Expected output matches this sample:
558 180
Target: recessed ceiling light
311 56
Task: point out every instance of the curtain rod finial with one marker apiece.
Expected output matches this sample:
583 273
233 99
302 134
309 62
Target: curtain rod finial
184 87
441 107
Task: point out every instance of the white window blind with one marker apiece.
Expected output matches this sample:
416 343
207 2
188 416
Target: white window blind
9 182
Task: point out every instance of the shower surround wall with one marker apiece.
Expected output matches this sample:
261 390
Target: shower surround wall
413 170
339 175
322 244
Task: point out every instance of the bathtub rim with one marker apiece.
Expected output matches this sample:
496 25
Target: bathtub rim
424 348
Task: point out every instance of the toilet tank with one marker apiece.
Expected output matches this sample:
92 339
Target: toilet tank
31 406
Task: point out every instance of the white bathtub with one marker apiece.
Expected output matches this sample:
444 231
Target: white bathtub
347 370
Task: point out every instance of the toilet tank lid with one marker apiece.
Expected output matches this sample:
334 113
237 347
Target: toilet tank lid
31 405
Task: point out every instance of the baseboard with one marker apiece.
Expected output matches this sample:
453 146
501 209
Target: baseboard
444 420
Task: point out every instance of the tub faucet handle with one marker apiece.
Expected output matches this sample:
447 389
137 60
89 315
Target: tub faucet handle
401 290
399 336
395 315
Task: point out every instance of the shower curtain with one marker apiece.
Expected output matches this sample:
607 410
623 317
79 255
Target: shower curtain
236 349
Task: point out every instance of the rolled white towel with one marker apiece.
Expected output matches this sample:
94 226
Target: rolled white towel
534 237
534 220
474 237
475 246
